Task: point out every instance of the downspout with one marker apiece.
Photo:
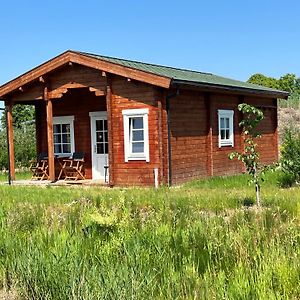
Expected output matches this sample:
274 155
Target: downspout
8 161
168 97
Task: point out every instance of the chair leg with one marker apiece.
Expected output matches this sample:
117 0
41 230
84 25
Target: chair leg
60 174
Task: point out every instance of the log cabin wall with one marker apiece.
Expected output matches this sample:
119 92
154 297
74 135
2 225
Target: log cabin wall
78 103
194 125
268 143
222 165
134 95
190 129
188 136
126 94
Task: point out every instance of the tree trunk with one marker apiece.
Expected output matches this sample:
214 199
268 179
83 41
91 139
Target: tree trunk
257 190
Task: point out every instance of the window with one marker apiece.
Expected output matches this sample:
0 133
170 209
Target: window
226 137
63 134
101 136
136 140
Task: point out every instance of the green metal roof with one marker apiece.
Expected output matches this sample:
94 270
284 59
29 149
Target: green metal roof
184 76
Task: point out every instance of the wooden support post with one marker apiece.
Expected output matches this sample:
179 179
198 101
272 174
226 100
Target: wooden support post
10 140
49 112
209 137
109 103
160 136
276 139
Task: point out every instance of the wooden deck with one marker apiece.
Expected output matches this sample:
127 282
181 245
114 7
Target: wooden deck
29 182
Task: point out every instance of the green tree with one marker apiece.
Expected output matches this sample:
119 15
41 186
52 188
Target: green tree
21 114
264 81
250 156
290 83
25 146
24 136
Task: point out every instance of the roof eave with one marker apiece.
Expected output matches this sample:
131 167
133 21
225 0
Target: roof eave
72 56
34 73
118 69
207 86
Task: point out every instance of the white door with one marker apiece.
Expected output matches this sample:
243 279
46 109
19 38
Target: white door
99 150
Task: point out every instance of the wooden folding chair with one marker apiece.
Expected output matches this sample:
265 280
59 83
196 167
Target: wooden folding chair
73 169
39 167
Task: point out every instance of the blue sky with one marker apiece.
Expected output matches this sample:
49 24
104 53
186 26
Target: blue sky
229 38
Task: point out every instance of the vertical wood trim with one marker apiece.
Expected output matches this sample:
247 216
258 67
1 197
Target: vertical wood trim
10 134
109 103
165 147
160 137
49 112
276 141
209 138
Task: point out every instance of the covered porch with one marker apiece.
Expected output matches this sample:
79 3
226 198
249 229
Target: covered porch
112 110
72 115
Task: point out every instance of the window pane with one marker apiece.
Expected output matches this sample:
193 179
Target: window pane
99 137
138 147
138 135
66 138
106 147
100 149
222 123
57 138
56 128
137 123
227 122
105 136
222 134
66 148
65 128
99 125
57 148
105 124
227 134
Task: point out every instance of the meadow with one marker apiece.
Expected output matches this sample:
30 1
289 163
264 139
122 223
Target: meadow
202 240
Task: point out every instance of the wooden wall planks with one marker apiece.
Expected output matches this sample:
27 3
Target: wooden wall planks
194 127
190 157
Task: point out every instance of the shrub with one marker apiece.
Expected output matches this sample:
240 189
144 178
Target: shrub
286 180
290 155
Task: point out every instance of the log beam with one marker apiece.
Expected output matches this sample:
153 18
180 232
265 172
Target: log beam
49 113
10 139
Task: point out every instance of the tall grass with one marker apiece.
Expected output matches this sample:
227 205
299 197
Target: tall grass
197 241
293 101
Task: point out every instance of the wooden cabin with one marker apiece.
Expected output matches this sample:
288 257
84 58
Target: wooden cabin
145 124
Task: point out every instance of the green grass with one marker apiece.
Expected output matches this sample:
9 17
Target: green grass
19 175
197 241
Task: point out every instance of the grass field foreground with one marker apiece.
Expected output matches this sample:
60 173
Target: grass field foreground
197 241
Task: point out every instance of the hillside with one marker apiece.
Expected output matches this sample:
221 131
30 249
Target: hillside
288 117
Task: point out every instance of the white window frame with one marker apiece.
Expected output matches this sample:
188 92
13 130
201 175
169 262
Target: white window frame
226 113
66 120
130 113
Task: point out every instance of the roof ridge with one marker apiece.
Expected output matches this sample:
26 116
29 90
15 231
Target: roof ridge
145 63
